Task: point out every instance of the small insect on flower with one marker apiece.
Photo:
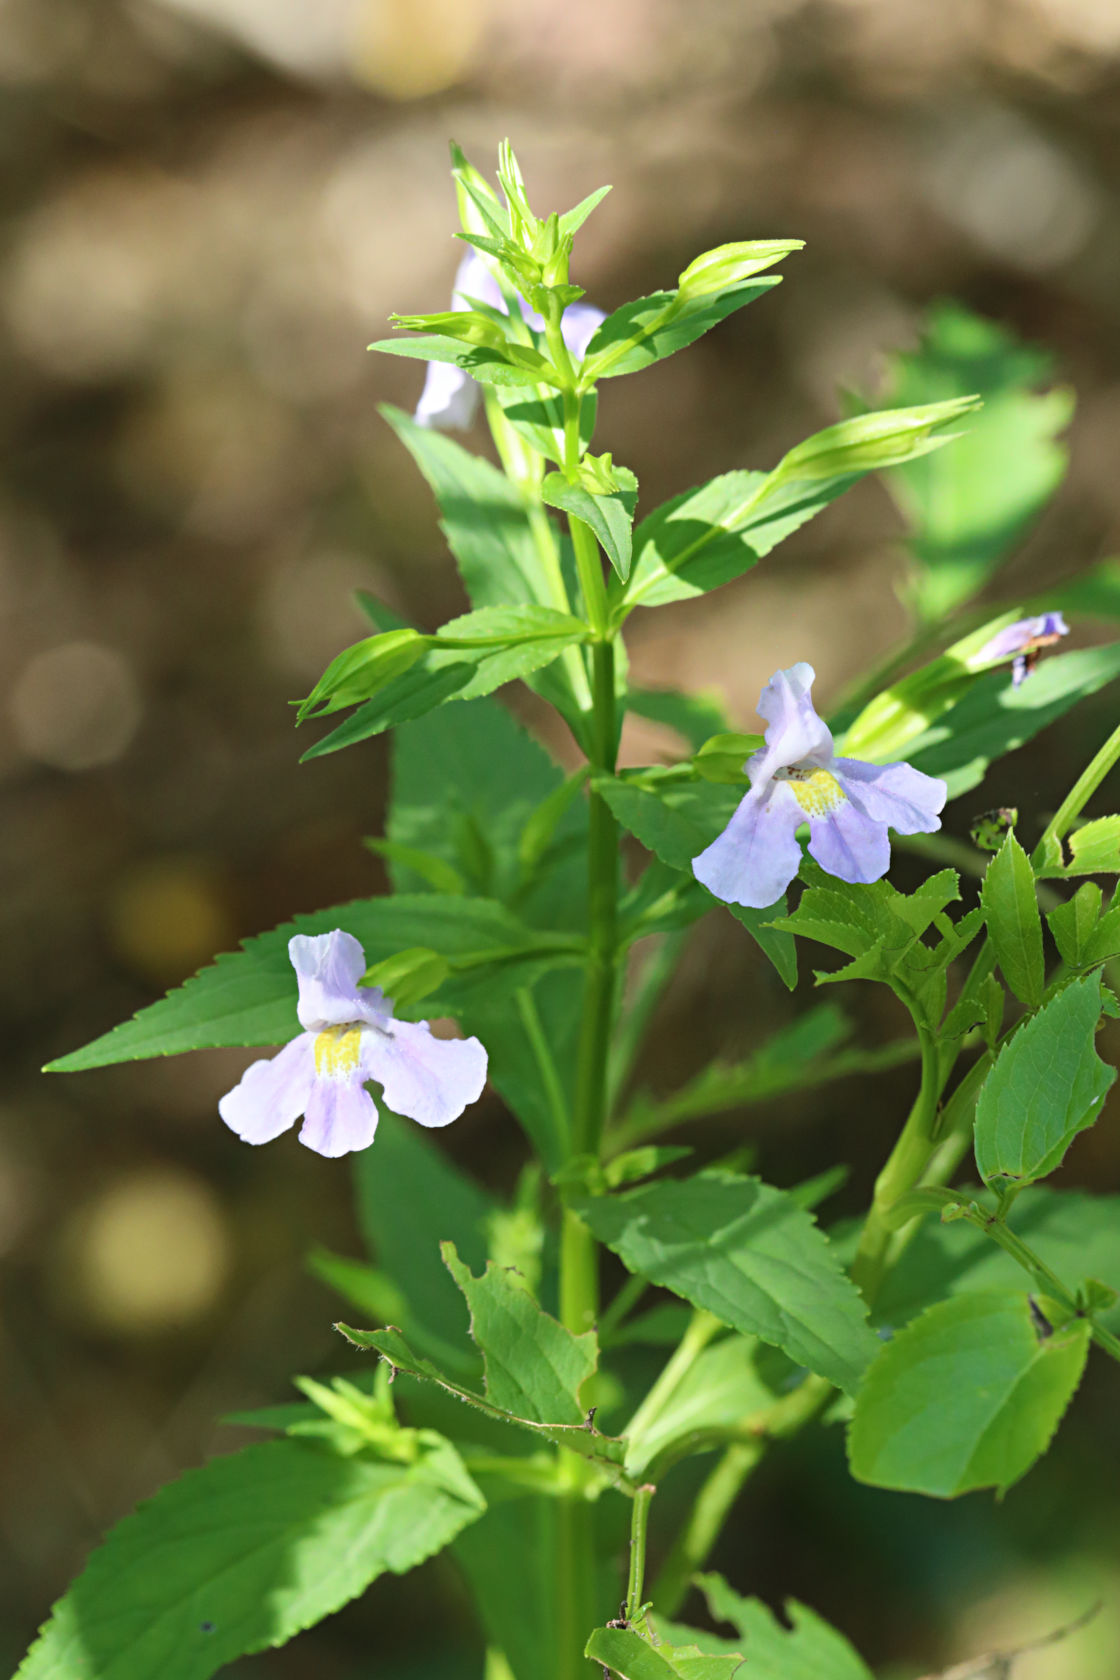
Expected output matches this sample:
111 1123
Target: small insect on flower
450 396
1023 642
349 1037
796 777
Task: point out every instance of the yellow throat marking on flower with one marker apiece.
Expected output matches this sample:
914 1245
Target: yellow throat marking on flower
338 1051
816 791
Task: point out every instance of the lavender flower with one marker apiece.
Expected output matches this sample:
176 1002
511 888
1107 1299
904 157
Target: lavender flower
450 396
1025 639
350 1036
796 777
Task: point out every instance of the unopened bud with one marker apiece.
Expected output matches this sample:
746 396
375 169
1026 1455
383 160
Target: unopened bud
730 265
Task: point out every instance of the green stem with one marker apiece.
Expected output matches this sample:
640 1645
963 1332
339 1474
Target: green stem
629 1294
546 1067
904 1167
718 1494
702 1327
639 1524
1079 795
710 1511
575 1584
1047 1280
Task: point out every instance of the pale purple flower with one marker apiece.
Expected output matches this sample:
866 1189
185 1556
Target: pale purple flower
796 778
450 396
350 1036
1024 640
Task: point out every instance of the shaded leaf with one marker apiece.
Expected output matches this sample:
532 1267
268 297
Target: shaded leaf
749 1254
967 1396
1048 1084
809 1649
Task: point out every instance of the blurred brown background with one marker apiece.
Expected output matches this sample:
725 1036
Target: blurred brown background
210 207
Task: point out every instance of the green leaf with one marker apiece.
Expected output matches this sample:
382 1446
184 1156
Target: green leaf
572 220
1094 849
1011 912
1074 1233
675 821
534 1367
626 1654
496 1334
807 1650
468 657
540 419
1048 1084
609 517
721 1388
482 515
651 328
467 785
994 718
706 537
1074 925
749 1254
249 996
968 506
967 1396
245 1553
466 781
796 1058
410 1199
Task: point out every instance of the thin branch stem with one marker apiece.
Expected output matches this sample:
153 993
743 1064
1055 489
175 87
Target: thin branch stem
639 1524
1079 795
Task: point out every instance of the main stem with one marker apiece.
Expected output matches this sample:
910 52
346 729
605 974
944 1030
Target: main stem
579 1269
579 1294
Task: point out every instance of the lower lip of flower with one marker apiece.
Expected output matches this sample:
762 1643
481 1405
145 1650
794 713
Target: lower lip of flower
817 791
337 1051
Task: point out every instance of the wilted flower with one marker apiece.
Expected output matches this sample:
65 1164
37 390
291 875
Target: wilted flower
450 396
1025 639
796 778
350 1036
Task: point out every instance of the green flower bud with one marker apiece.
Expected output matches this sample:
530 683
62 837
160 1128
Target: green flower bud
467 324
729 265
870 441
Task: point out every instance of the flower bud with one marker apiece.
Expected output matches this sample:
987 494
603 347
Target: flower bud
870 441
729 265
467 324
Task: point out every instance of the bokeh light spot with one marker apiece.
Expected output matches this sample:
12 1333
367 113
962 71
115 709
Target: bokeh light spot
167 917
76 706
150 1252
407 52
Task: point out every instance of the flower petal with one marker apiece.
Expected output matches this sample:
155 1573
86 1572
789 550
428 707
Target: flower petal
906 799
796 735
1041 630
272 1094
757 855
328 967
449 399
849 844
430 1079
578 326
473 279
341 1116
